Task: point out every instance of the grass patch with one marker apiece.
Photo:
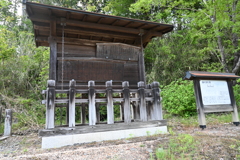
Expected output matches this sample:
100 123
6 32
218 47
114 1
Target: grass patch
211 119
183 146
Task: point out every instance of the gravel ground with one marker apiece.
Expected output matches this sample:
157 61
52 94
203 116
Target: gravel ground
215 142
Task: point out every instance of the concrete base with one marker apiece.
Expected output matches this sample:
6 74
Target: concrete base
65 140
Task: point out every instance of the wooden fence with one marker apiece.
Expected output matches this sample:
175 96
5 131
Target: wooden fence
145 102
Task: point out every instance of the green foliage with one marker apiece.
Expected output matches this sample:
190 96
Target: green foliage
6 49
178 98
236 90
183 146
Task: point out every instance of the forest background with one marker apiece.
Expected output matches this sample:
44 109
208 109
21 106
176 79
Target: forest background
205 38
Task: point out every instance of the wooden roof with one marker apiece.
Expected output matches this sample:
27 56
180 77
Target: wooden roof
90 28
190 75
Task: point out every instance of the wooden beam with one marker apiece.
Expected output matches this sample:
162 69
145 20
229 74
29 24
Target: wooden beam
53 28
147 37
128 24
99 21
143 25
84 17
70 41
68 15
115 22
87 32
46 19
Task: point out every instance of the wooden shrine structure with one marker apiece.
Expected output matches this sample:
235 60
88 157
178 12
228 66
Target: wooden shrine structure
93 54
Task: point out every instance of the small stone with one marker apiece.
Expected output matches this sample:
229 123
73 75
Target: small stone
149 150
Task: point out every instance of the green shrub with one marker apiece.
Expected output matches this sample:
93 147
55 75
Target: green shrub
236 90
178 98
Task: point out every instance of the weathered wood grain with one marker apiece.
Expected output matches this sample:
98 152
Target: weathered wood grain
135 104
91 103
235 116
117 51
91 70
72 92
200 108
126 96
53 59
97 113
50 105
142 102
141 67
82 129
76 50
157 107
83 113
110 110
218 108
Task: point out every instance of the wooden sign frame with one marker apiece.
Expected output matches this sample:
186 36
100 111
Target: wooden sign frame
213 103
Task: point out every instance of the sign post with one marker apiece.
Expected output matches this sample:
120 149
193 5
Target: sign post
214 93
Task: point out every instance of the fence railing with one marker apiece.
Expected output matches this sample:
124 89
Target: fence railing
144 101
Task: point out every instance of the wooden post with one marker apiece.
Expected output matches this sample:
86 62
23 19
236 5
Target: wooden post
200 109
126 99
83 113
72 91
141 66
50 105
110 110
142 102
149 104
157 107
91 103
136 112
121 108
8 123
53 58
98 112
235 118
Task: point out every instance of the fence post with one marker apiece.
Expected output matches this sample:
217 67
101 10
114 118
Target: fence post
126 99
8 123
50 105
136 112
110 110
97 112
83 113
91 103
72 91
142 104
157 107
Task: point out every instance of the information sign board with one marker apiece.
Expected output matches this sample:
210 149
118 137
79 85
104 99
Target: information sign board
214 92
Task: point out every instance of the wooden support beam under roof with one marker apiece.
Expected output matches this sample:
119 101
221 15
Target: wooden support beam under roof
99 26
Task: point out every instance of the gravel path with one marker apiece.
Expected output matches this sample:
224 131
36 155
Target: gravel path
212 138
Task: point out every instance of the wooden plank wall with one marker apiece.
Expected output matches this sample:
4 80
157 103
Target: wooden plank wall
103 62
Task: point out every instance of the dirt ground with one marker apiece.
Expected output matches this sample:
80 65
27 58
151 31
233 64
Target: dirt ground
220 142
